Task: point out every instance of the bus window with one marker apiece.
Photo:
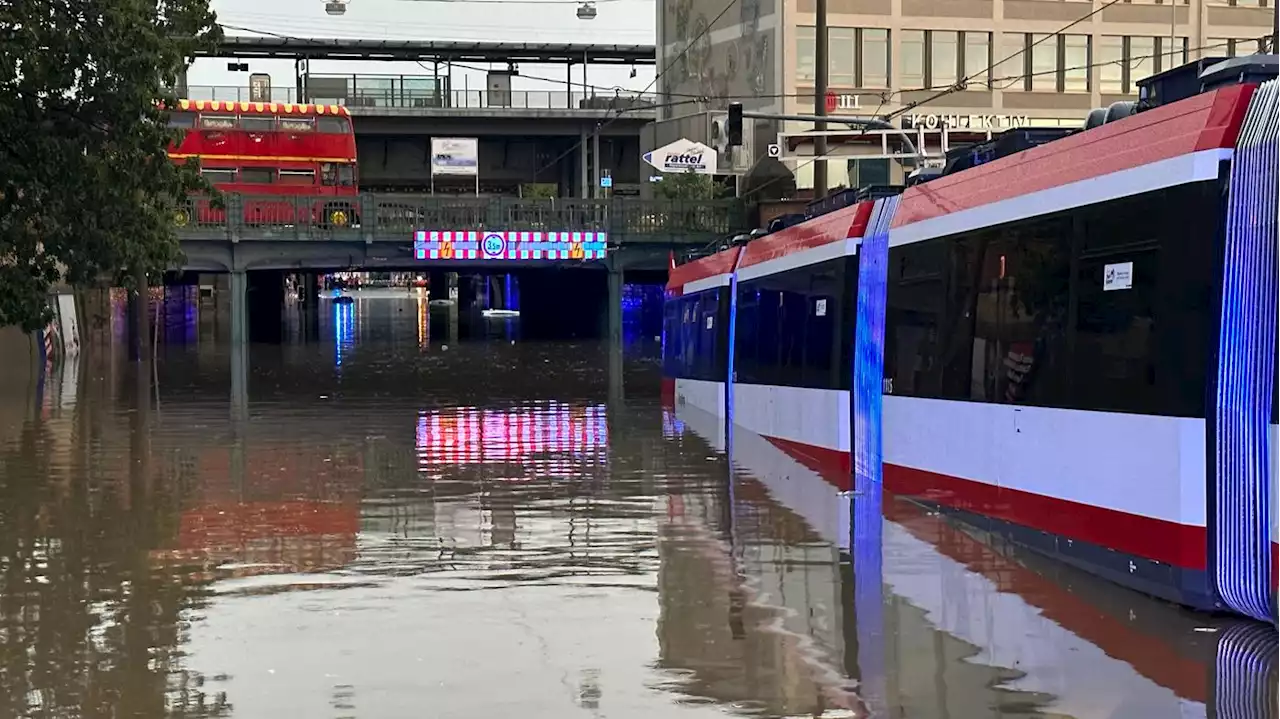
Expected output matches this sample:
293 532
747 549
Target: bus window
297 177
347 175
218 175
335 125
257 123
184 120
217 122
258 175
296 124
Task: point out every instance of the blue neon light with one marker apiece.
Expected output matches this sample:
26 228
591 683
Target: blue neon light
868 343
501 245
1244 668
1246 367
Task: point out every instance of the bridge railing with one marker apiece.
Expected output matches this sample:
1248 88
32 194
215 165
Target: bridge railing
389 217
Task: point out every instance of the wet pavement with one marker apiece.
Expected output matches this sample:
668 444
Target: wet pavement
396 528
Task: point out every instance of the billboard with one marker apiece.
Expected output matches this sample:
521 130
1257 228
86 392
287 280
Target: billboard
509 245
684 156
455 156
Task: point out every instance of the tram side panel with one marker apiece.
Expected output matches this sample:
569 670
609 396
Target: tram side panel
792 354
1026 392
696 333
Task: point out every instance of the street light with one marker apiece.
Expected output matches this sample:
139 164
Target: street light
587 11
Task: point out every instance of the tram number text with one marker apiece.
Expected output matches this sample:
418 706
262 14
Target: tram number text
886 385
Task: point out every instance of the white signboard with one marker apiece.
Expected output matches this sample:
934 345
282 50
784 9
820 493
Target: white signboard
967 122
455 156
684 156
1117 277
820 308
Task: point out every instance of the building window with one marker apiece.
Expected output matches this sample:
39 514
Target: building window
977 58
938 59
1123 61
868 172
1236 47
1043 54
805 49
944 57
1054 63
856 57
841 45
1075 61
1111 64
912 49
875 58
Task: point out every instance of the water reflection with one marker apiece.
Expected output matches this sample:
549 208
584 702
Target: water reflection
926 619
480 531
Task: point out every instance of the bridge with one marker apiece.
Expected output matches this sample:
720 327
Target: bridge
376 230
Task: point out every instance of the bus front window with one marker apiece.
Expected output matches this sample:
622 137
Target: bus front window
347 175
328 175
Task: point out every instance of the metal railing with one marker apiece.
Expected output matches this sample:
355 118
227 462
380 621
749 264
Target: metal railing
396 217
232 93
399 95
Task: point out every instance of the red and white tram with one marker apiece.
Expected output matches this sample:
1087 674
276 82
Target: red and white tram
1073 346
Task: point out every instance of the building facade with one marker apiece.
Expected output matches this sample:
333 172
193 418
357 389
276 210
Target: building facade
1017 63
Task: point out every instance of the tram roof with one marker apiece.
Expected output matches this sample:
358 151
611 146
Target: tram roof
1209 121
836 226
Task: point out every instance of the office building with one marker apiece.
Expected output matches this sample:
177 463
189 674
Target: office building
1021 63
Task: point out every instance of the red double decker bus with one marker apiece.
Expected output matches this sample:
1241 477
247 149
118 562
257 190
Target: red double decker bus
266 150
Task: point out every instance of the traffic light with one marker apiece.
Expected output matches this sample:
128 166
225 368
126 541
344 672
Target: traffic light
734 131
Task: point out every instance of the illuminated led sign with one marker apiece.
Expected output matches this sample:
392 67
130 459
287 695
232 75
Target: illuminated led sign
513 245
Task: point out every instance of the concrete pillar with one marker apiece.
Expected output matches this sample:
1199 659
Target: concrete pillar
239 301
239 345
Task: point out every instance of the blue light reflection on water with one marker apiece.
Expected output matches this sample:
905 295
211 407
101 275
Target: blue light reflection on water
344 330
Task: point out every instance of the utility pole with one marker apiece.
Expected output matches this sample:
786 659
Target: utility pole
1275 30
820 98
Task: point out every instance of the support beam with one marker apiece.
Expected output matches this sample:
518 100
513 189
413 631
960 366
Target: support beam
616 384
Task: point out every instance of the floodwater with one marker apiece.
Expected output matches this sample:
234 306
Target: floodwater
403 524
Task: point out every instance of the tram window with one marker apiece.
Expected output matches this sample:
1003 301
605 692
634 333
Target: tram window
257 123
745 362
182 120
1036 259
335 125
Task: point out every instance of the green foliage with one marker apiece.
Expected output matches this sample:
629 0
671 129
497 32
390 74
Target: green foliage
689 186
85 186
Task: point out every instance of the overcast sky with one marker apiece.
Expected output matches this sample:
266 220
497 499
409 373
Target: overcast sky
618 21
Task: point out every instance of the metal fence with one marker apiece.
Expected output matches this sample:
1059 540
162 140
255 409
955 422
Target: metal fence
397 217
403 95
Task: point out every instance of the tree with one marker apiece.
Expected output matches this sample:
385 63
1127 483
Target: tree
86 189
689 186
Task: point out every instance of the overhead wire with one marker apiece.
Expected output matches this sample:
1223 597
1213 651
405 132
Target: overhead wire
1010 78
658 76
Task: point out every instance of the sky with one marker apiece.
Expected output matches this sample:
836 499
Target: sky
617 22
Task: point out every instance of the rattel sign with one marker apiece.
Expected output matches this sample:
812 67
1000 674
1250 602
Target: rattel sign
684 156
